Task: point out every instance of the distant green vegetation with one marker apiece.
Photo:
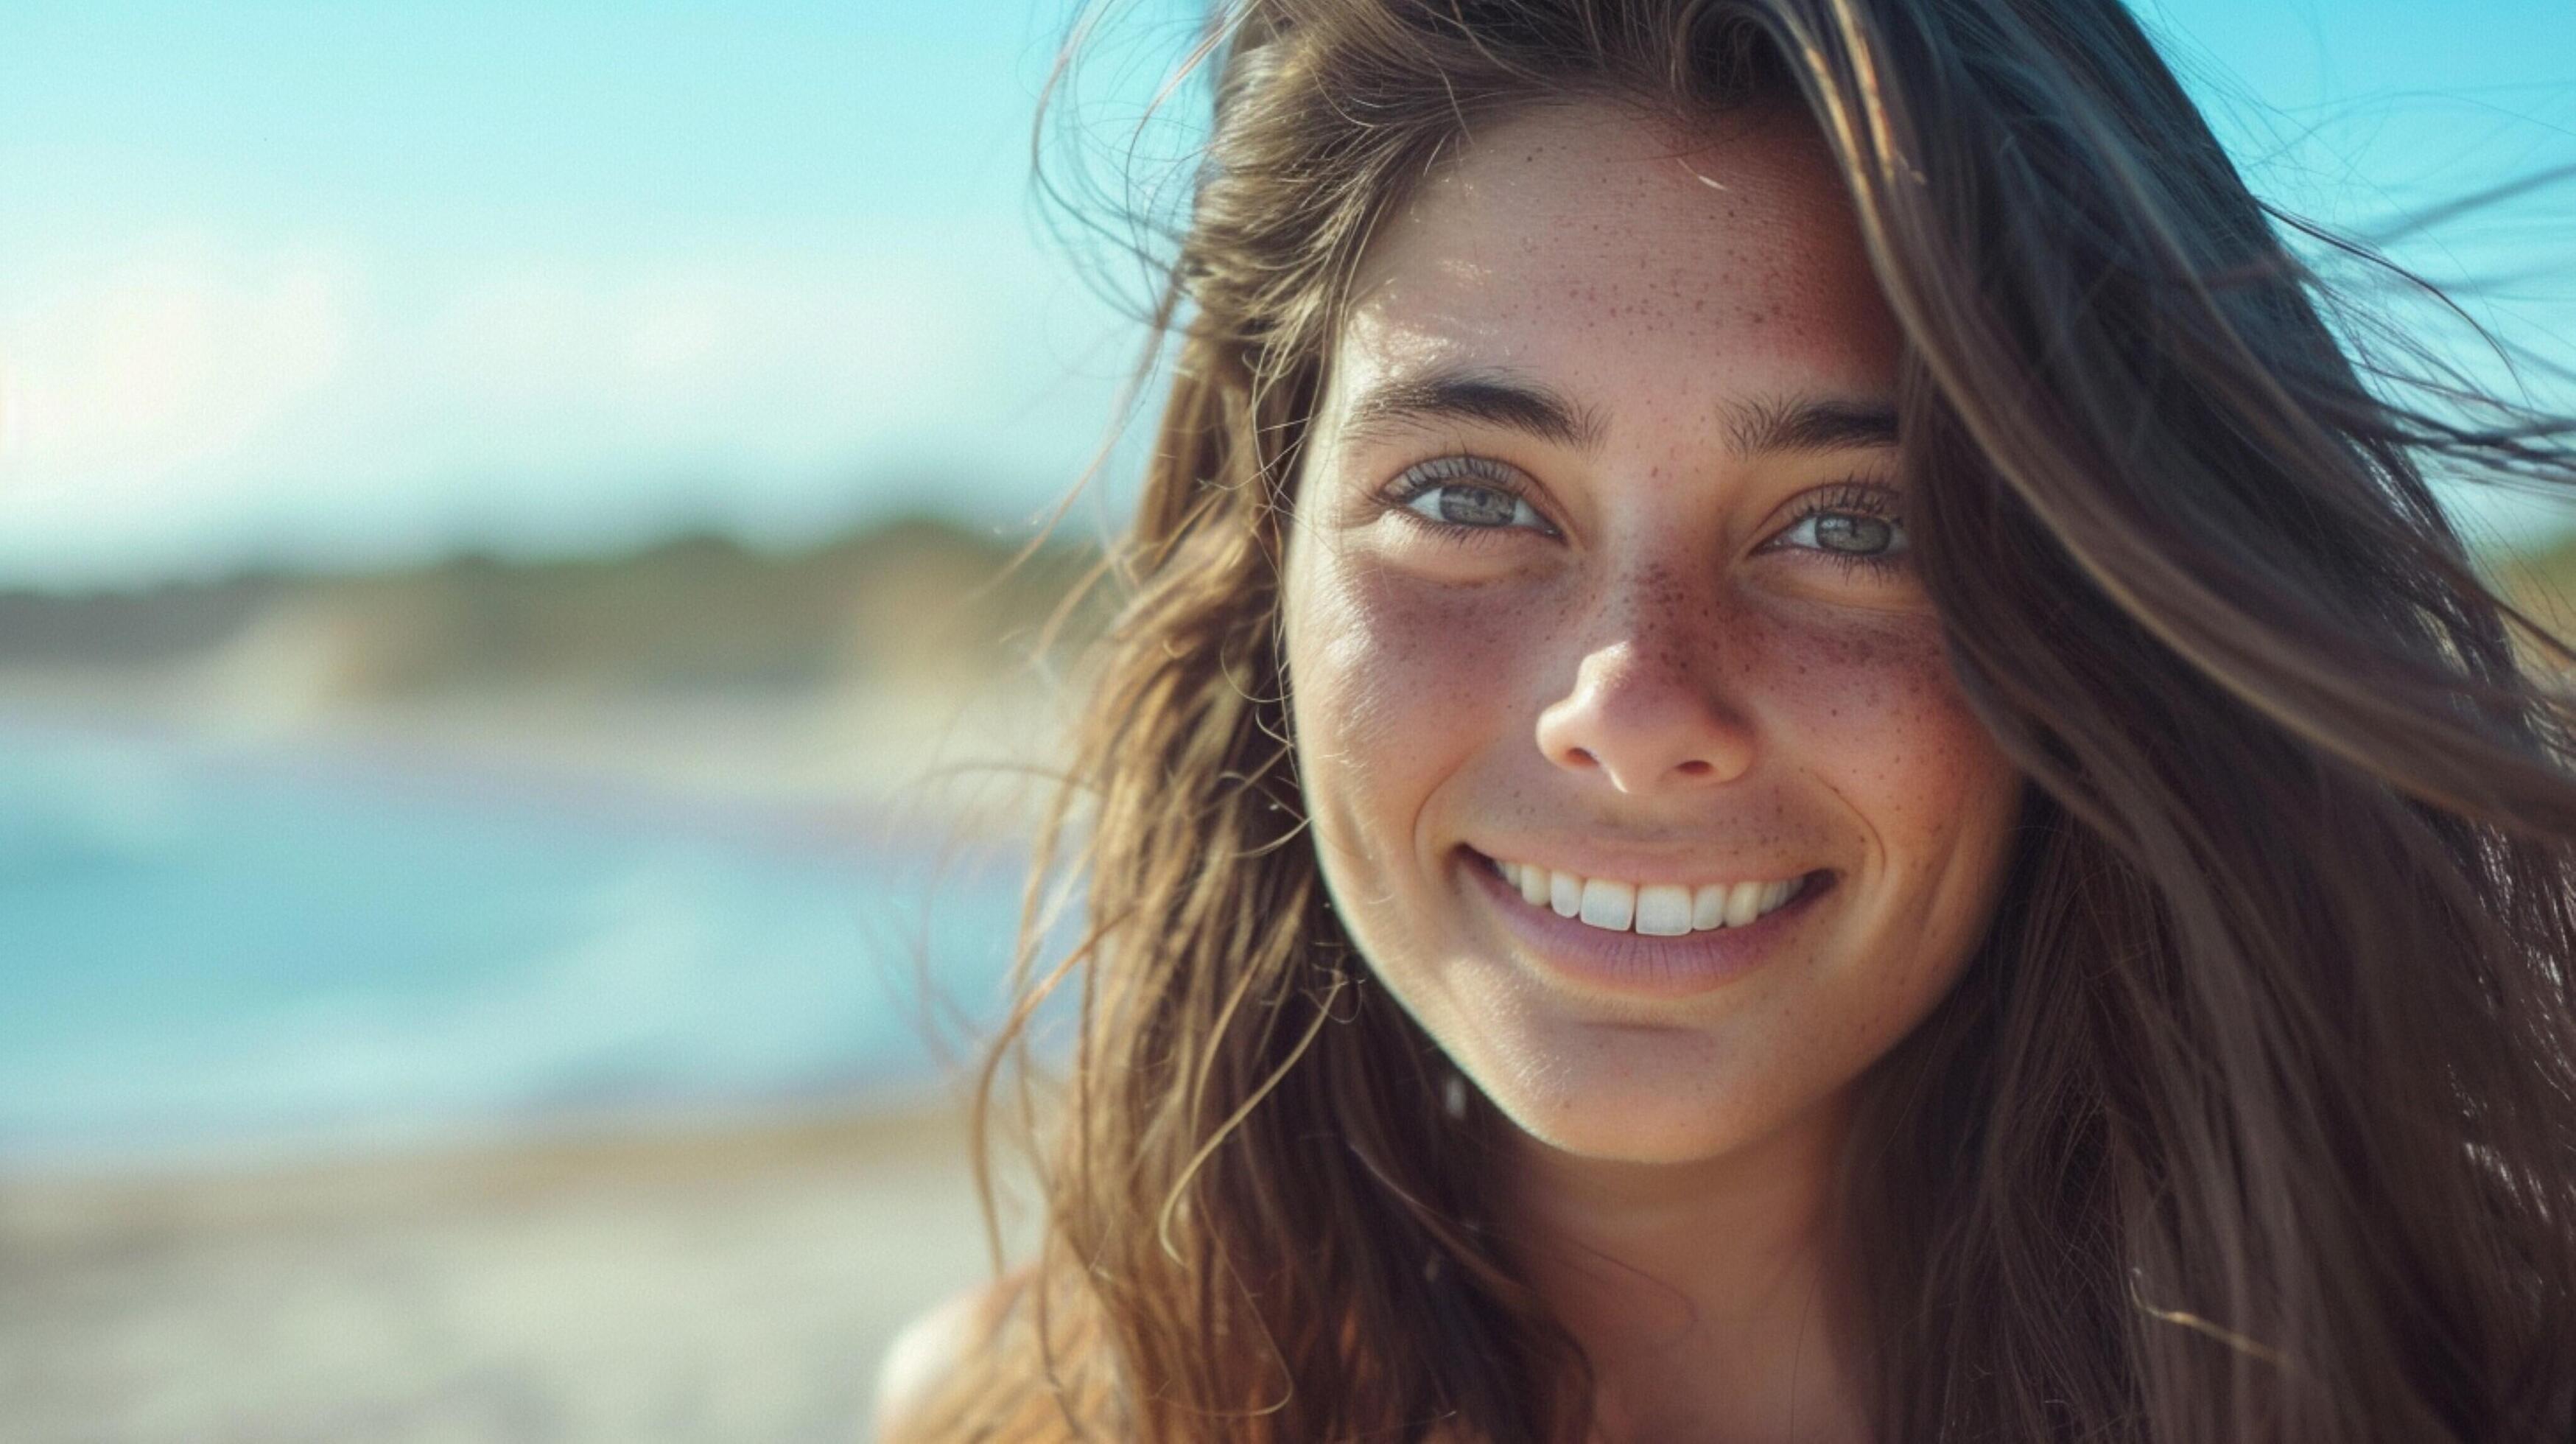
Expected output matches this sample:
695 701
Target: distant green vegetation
2542 581
2551 565
915 600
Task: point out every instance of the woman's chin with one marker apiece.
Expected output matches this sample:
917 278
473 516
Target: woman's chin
1641 1121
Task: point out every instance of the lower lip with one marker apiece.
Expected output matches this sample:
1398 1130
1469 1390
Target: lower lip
1641 964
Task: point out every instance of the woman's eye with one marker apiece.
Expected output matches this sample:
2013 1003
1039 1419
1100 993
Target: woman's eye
1464 503
1847 534
1467 494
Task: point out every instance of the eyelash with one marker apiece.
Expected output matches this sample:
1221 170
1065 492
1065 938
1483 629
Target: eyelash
1849 498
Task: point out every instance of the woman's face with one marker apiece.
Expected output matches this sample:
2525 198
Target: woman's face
1594 604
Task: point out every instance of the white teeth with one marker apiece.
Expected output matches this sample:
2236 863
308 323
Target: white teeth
1608 904
1664 910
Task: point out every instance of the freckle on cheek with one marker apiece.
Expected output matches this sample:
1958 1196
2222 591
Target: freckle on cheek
1401 654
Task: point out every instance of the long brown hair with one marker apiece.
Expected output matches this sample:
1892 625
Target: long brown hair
2255 1115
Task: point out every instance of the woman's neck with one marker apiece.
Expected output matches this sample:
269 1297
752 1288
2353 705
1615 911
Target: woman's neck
1711 1296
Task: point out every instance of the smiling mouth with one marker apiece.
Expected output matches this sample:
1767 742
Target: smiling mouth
1651 909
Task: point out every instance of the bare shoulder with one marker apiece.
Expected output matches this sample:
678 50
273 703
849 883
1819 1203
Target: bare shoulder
928 1351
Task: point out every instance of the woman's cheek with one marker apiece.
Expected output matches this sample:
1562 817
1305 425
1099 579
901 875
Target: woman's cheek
1879 721
1868 705
1396 680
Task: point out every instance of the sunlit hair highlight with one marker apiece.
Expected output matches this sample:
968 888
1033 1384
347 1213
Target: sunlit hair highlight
2255 1115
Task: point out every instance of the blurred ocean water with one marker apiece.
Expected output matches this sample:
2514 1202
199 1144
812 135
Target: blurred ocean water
214 952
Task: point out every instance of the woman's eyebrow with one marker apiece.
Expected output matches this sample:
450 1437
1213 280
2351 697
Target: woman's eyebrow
1503 398
1494 397
1810 423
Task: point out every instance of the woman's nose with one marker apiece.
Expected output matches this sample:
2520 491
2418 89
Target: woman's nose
1646 718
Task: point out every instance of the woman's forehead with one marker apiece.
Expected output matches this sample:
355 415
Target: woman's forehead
1588 247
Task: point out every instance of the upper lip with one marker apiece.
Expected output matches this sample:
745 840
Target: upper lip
1666 867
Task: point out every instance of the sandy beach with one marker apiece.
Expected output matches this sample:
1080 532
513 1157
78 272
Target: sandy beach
732 1284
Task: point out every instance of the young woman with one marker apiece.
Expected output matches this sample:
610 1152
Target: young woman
1795 756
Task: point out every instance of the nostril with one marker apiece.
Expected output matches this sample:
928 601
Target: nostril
1694 768
1584 756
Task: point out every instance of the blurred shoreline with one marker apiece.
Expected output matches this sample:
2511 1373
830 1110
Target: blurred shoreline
909 672
869 770
721 1272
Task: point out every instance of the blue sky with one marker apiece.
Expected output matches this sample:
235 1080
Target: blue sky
356 282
